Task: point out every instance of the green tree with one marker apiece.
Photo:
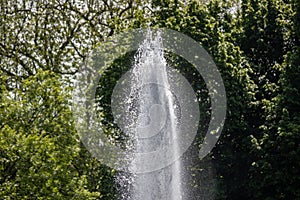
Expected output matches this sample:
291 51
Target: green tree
275 172
38 142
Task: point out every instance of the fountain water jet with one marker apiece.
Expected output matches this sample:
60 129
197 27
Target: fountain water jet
155 125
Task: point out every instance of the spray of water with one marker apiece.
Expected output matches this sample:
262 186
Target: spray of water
154 127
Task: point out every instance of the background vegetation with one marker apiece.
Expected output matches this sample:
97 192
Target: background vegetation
255 44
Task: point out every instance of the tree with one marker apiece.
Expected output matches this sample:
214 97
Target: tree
38 142
275 172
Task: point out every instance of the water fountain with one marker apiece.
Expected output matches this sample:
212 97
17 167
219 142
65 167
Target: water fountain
155 125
